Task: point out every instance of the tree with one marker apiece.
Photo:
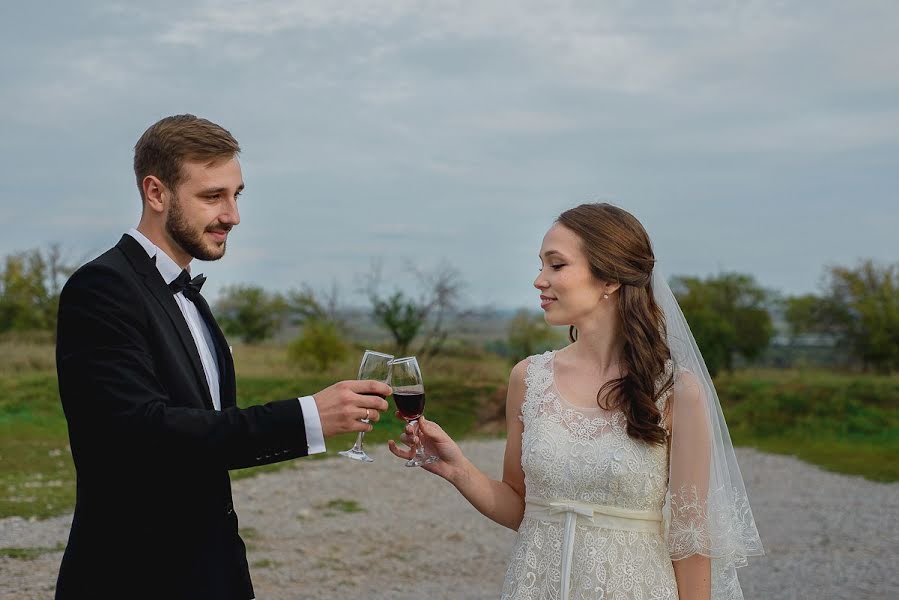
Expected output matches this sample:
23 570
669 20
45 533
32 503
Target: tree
858 306
407 317
443 287
804 314
529 334
402 317
305 304
30 283
250 312
319 343
728 314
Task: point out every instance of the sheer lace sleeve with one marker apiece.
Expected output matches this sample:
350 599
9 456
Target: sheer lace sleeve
707 511
688 471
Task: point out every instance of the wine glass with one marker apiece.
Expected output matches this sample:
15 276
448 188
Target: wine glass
374 365
409 396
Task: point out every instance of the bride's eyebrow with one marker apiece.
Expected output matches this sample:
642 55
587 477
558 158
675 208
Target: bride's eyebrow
549 253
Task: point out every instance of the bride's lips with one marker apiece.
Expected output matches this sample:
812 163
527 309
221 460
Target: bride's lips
546 301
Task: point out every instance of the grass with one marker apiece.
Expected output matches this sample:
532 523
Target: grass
36 472
26 353
29 553
455 404
265 564
341 505
872 461
845 423
37 476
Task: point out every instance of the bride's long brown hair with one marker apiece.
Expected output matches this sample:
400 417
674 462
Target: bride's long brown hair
618 250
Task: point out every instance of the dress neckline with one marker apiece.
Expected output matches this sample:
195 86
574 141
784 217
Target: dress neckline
551 364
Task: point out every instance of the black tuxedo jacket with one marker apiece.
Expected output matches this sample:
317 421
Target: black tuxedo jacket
153 515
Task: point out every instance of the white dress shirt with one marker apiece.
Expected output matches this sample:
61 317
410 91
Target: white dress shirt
170 270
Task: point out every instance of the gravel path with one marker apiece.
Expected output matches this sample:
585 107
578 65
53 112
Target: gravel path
827 536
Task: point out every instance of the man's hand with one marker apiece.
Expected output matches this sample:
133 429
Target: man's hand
342 406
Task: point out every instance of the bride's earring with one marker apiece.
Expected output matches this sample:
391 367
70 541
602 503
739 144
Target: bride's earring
605 296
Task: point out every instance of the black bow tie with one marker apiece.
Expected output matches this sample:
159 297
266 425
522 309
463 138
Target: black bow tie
190 287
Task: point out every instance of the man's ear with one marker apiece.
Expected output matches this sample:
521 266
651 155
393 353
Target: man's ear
155 193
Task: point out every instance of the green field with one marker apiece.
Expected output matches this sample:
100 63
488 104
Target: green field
36 471
846 423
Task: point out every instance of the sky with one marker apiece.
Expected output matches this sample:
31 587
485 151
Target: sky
754 136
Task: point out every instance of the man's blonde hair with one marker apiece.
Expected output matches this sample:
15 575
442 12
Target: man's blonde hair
164 147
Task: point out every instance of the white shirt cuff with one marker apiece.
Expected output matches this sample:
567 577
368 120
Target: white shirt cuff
315 437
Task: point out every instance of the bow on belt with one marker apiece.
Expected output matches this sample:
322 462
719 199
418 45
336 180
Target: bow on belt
591 515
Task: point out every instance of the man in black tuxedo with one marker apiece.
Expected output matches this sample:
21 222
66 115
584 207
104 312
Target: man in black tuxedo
147 385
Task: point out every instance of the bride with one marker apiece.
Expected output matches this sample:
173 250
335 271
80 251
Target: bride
619 473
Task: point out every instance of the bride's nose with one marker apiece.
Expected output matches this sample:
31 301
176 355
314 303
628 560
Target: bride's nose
540 282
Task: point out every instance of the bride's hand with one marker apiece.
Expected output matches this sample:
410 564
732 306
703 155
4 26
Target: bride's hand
436 442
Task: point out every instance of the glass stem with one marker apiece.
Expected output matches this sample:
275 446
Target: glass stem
419 447
357 447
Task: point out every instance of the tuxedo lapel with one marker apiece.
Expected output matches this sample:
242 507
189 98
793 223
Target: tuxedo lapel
157 287
227 391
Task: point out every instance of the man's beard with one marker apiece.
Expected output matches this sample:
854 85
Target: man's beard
190 240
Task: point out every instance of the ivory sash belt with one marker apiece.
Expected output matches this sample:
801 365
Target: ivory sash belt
589 515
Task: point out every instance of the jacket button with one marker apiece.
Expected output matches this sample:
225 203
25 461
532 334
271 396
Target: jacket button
229 508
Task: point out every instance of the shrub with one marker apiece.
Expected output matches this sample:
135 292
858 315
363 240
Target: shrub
318 345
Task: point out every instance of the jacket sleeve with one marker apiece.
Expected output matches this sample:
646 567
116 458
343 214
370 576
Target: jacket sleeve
110 389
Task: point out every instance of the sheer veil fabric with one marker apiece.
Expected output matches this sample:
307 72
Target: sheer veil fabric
706 510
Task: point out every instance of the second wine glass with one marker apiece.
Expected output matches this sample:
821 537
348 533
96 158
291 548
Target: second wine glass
374 365
409 396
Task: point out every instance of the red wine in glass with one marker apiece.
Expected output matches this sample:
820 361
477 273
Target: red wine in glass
409 397
410 404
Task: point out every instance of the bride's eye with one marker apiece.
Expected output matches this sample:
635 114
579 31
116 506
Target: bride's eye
557 267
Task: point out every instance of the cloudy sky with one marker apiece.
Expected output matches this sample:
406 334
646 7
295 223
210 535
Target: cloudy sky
755 136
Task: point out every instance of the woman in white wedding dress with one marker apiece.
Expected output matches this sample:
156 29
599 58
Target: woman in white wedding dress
619 474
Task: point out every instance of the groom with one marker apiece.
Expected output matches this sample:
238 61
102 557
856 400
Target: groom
147 385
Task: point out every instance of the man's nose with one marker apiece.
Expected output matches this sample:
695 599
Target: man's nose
231 216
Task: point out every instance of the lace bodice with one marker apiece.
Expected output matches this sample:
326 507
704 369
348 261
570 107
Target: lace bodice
585 454
600 519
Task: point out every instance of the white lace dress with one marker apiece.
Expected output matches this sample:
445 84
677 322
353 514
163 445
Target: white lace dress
593 527
594 500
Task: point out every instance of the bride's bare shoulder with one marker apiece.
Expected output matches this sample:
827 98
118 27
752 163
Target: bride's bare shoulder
519 372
